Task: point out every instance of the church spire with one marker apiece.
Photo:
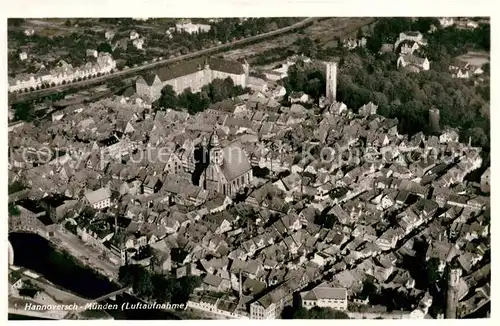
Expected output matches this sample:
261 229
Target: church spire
214 140
215 150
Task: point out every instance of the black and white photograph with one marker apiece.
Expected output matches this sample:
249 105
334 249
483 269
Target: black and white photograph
259 167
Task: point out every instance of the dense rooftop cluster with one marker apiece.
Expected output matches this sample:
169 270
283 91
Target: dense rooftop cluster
339 200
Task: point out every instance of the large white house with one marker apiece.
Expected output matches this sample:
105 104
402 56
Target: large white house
446 22
413 63
325 296
191 28
99 199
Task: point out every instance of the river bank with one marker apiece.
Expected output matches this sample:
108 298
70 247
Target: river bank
84 253
58 266
64 271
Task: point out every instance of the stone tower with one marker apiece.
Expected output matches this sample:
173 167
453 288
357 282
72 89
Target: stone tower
246 69
434 120
215 150
331 81
452 292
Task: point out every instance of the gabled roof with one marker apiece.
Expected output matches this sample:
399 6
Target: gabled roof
148 78
412 59
235 162
98 195
190 67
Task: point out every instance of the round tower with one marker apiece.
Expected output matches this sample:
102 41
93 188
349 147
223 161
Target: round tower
434 120
331 81
215 150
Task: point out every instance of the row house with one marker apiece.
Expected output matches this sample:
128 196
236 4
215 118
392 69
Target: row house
63 74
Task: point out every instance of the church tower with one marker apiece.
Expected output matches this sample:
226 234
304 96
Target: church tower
331 81
215 150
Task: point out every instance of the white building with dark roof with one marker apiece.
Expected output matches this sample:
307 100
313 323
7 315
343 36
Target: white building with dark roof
195 74
325 296
413 63
99 199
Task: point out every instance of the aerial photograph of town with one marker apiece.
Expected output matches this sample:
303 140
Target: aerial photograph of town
248 168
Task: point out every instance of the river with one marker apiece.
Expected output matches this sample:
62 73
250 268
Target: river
37 254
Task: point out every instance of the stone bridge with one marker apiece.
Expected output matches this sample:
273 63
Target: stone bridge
28 222
127 289
89 303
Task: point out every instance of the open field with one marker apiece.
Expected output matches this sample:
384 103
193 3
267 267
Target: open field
49 27
475 58
326 30
283 41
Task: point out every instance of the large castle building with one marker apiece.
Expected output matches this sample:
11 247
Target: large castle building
228 169
192 74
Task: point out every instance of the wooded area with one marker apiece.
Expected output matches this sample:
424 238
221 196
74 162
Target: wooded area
216 91
161 288
365 75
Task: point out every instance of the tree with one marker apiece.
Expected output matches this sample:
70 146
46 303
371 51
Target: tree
143 284
88 212
432 271
423 24
23 111
486 68
168 99
359 34
318 313
104 47
162 288
13 210
478 137
15 22
15 187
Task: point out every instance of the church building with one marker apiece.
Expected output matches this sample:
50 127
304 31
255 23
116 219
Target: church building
228 169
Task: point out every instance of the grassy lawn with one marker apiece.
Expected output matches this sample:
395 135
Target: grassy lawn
475 58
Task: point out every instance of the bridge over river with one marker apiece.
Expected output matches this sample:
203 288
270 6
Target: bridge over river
26 221
112 295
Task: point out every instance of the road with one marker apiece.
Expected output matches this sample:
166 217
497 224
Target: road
13 98
89 255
